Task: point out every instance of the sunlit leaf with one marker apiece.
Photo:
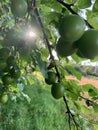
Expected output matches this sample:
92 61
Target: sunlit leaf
85 110
95 107
92 18
73 90
77 105
42 64
94 21
95 6
96 126
76 58
77 74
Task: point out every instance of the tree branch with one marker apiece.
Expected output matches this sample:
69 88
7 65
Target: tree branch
90 102
70 115
86 99
43 30
45 36
68 6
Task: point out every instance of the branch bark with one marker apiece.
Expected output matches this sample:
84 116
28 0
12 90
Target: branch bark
70 115
45 36
69 7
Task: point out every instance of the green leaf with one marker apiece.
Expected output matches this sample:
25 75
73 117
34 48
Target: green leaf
45 52
95 97
77 105
95 6
92 18
63 72
13 88
70 1
72 96
82 4
73 90
92 92
90 89
94 21
53 17
95 107
85 110
86 87
76 58
55 5
30 80
77 74
42 64
46 1
96 127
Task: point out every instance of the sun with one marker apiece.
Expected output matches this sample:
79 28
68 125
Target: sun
30 34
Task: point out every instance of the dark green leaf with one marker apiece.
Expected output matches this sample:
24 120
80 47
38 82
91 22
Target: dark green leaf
90 89
82 4
92 92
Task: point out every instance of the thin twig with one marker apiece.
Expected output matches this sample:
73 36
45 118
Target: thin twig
92 102
71 116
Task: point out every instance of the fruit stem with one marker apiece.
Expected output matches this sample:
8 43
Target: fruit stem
68 6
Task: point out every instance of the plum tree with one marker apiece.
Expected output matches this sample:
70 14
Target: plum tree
58 30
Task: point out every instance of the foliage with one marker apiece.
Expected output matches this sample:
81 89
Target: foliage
30 39
43 112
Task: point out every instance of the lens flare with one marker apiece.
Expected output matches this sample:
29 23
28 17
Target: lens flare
30 34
